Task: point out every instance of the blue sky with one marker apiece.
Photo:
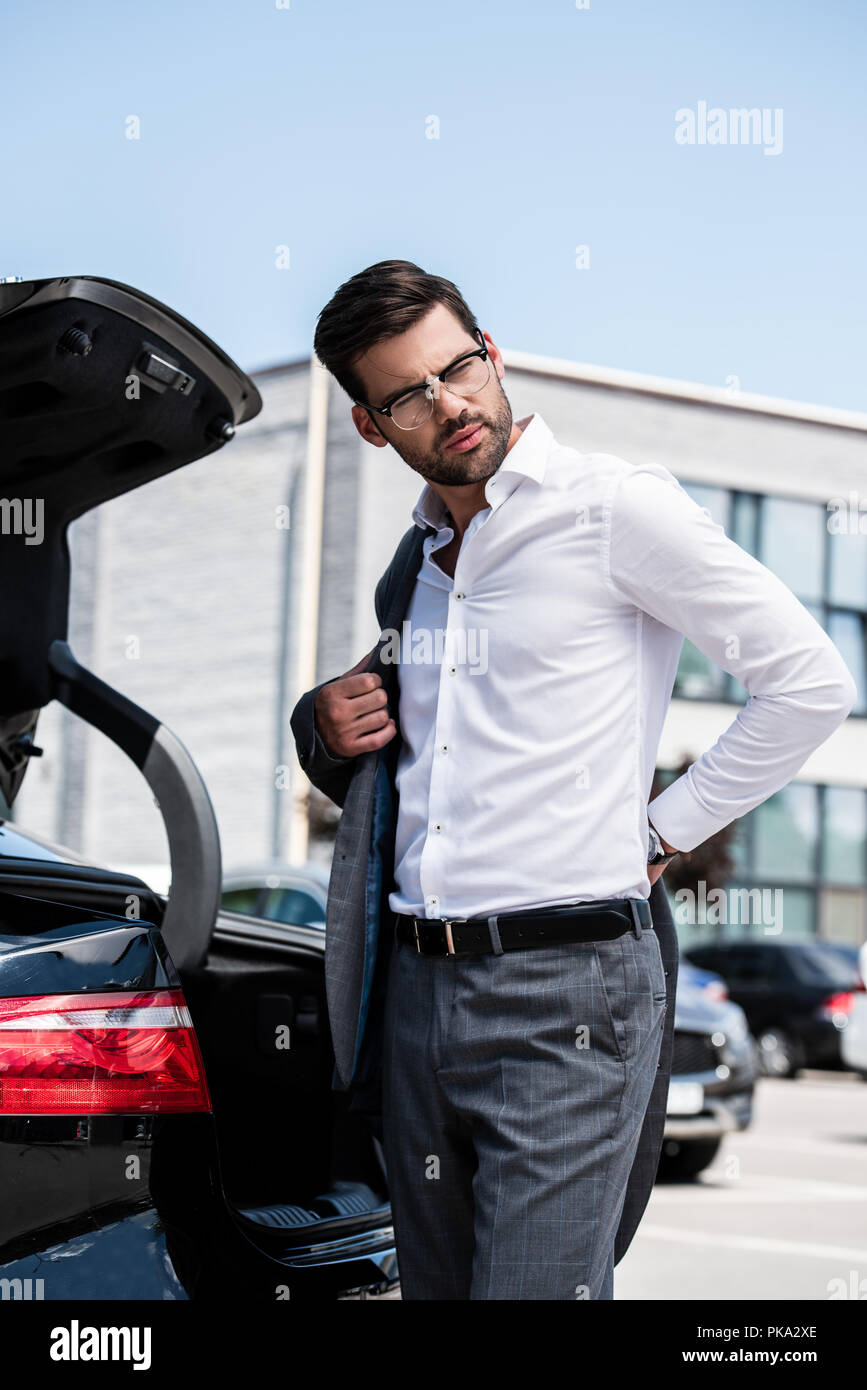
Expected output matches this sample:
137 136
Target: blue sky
306 127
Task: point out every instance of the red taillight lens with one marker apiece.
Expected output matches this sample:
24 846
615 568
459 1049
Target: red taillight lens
837 1005
129 1053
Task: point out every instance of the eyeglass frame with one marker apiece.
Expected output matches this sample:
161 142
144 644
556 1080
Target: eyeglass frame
483 353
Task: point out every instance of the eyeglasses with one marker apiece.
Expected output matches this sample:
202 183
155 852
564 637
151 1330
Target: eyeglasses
466 376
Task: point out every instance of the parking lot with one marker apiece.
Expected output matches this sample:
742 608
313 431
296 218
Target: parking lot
780 1214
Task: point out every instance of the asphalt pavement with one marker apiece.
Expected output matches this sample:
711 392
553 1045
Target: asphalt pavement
780 1214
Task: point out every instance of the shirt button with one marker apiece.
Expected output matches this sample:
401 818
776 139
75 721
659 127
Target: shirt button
437 827
444 748
453 670
458 595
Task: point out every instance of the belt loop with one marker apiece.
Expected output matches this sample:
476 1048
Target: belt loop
636 916
495 936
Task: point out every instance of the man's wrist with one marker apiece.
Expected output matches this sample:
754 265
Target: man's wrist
659 851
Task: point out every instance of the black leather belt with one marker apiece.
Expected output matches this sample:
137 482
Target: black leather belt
600 920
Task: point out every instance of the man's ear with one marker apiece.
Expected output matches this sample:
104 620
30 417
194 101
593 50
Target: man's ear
367 426
495 356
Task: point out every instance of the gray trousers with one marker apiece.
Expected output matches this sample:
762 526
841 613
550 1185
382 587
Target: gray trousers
514 1091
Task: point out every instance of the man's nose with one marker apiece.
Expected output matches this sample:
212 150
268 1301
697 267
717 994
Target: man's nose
447 404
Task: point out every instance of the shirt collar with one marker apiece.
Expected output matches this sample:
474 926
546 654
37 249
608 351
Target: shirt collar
527 458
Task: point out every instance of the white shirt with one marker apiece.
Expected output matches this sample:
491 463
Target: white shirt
534 685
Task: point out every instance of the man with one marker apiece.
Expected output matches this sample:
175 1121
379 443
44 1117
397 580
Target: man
492 955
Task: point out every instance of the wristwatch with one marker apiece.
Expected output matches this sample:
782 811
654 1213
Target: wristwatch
655 853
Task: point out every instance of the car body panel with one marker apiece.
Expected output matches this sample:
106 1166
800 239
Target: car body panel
141 1206
714 1063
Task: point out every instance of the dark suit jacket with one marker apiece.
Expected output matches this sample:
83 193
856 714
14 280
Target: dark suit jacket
356 952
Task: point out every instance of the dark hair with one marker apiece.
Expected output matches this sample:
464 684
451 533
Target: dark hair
377 303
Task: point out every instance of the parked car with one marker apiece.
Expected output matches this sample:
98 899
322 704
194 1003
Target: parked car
167 1124
853 1039
797 996
712 986
278 892
713 1074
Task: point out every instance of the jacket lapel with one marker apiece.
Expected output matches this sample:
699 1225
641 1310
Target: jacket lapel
400 583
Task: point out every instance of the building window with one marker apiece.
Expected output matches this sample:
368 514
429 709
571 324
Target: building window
844 916
844 835
786 835
847 583
792 537
846 631
745 521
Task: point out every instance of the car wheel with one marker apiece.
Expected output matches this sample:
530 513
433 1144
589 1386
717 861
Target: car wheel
778 1053
682 1159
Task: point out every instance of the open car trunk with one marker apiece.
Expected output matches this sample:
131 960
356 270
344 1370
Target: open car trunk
102 389
296 1165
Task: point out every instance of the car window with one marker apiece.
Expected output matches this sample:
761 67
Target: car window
816 964
242 900
293 905
703 957
763 965
733 963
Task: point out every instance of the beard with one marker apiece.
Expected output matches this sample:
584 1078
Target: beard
438 463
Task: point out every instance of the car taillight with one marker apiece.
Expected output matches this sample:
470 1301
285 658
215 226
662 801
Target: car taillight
837 1008
716 990
129 1052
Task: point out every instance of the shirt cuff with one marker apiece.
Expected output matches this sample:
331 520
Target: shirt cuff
680 818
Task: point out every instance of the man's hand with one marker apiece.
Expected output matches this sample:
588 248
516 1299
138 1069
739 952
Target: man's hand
351 713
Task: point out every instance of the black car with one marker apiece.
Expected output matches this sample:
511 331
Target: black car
713 1073
796 994
167 1124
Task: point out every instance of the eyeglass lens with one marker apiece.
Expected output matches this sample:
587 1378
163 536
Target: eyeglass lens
464 379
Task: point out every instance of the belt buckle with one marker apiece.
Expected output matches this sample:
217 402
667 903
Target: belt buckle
447 924
641 915
450 941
